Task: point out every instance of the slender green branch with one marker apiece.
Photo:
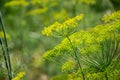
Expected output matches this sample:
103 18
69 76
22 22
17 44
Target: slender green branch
5 58
79 64
6 44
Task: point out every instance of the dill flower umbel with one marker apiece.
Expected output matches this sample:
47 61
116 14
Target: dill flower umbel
64 29
68 66
37 11
19 76
17 3
85 41
112 17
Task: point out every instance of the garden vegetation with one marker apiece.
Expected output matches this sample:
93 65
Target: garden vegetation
59 40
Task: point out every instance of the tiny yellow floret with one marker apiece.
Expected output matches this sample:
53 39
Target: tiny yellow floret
19 76
62 29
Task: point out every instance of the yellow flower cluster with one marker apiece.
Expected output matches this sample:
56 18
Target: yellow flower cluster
64 29
48 30
102 32
17 3
114 16
88 42
37 11
29 2
85 41
19 76
68 66
60 49
95 76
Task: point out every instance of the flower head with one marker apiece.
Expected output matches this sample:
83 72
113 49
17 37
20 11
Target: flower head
68 66
19 76
64 29
17 3
112 17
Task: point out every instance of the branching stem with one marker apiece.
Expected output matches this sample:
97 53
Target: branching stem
79 64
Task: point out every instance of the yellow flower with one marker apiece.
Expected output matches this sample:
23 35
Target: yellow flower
114 16
37 11
48 30
64 29
68 66
17 3
19 76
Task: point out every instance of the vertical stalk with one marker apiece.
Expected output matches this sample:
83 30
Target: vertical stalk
6 51
79 64
5 58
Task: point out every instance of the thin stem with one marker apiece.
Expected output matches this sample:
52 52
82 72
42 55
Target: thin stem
6 44
79 64
5 58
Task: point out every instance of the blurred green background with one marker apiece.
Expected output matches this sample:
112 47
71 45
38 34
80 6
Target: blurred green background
25 19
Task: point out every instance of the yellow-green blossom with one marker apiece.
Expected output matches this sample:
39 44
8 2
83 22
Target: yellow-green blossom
19 76
64 29
114 16
48 30
85 41
37 11
59 50
68 66
17 3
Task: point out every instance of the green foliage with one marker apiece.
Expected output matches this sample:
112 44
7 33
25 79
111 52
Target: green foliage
83 51
17 3
2 35
60 77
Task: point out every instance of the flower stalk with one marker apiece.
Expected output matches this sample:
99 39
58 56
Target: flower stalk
79 64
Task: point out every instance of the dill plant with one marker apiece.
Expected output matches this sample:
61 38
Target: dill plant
5 50
65 30
4 46
96 51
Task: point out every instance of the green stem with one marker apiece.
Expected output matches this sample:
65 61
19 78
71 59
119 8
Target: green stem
5 58
7 51
79 64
